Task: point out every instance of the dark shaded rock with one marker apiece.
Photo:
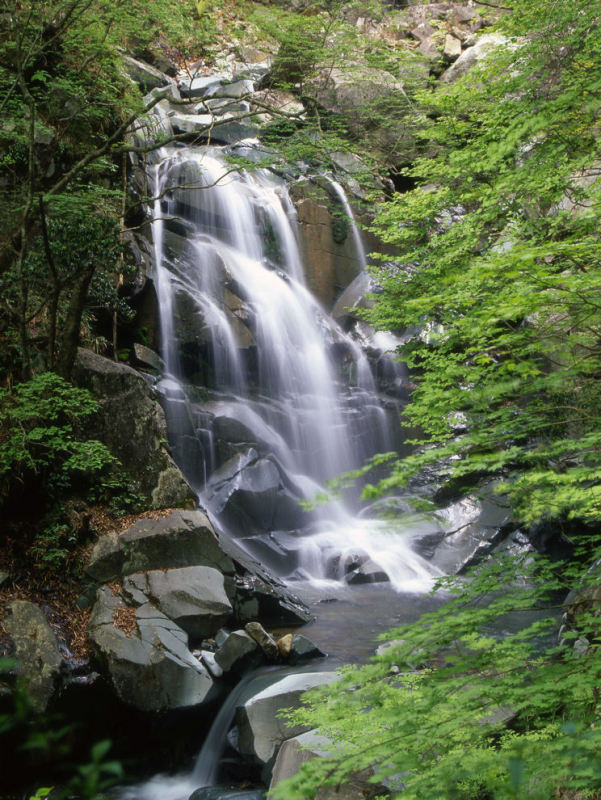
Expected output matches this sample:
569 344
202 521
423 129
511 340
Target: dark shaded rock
425 546
223 793
132 425
265 640
106 561
273 605
36 650
239 653
4 579
303 649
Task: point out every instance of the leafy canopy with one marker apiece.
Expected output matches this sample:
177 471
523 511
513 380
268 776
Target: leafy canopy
499 273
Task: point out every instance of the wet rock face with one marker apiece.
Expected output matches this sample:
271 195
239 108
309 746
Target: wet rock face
329 254
131 424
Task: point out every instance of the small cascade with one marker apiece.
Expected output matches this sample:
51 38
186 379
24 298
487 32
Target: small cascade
341 194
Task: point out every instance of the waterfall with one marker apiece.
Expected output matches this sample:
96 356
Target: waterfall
238 320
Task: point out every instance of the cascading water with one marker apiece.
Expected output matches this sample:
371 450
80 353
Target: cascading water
263 343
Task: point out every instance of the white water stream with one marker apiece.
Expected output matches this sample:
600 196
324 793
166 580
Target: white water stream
241 275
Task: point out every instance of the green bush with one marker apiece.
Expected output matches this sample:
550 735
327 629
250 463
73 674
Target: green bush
39 438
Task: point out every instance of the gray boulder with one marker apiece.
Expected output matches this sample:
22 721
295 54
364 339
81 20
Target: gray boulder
36 650
181 539
367 572
147 656
298 750
472 55
146 76
239 653
192 597
131 424
260 731
201 86
241 88
148 358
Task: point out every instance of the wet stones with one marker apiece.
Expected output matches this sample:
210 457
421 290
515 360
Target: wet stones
169 587
239 653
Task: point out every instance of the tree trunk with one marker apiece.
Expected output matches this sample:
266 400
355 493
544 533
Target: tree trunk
70 336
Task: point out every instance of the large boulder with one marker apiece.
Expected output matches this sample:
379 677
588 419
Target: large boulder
180 539
193 597
372 103
146 655
298 750
472 55
36 651
261 731
131 424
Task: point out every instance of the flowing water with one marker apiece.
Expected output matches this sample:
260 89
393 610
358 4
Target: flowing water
238 278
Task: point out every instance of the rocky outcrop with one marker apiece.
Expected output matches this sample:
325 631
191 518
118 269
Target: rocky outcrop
169 587
472 55
181 539
36 651
146 655
131 424
372 102
327 248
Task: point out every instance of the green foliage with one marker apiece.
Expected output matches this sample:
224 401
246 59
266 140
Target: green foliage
317 51
499 272
464 704
38 429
